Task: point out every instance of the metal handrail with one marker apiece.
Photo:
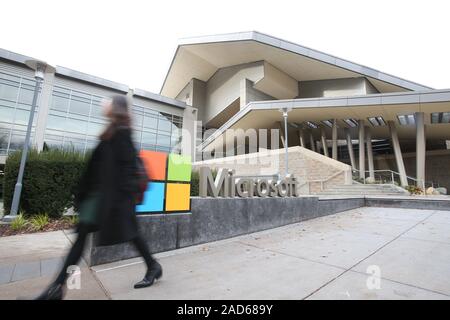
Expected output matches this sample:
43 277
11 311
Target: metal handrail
322 181
392 173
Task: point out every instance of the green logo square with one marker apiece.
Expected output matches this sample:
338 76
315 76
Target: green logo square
179 168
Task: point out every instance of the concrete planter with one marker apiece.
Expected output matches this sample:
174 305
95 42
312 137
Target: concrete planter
213 219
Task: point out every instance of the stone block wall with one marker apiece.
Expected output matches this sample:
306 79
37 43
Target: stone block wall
313 170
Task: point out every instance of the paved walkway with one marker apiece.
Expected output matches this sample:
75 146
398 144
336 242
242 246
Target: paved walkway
325 258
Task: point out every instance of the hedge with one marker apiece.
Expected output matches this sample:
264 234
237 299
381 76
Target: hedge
195 181
49 181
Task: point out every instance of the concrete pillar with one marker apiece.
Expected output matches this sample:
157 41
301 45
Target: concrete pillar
369 152
324 142
312 143
420 149
189 132
301 137
350 148
362 159
334 149
398 153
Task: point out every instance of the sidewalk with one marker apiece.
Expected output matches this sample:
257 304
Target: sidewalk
324 258
28 263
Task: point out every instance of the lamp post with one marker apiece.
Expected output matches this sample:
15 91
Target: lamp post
40 69
285 116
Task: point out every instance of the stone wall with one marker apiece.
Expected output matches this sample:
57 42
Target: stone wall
310 168
215 219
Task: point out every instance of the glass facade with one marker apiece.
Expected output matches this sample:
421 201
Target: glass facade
75 120
155 130
16 96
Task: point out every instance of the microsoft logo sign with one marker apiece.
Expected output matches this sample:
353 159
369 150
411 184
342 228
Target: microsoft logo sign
169 185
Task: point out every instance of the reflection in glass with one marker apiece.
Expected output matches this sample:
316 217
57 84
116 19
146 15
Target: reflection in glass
163 140
94 129
80 106
6 114
77 126
8 91
60 103
55 122
150 122
148 138
164 125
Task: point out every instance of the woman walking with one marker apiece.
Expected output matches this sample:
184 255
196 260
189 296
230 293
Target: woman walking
106 197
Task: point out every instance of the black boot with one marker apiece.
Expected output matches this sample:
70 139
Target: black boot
54 292
153 273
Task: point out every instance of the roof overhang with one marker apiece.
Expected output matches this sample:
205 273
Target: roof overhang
266 114
201 57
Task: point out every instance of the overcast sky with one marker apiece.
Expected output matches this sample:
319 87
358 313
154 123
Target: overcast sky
133 41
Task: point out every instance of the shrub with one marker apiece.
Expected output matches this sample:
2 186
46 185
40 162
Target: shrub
49 181
72 219
414 189
38 222
19 223
195 181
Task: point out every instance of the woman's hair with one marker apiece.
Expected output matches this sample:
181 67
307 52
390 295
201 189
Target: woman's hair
119 116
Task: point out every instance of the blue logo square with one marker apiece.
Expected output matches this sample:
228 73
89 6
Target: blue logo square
153 198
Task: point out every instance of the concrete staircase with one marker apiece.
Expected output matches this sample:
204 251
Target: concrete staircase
365 189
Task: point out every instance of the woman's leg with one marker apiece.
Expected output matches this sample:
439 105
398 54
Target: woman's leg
140 245
154 269
56 290
75 253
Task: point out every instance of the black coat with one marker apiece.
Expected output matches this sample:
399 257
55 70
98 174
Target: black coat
110 173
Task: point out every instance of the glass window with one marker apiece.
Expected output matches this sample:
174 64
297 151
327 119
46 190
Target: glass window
8 91
90 145
163 140
57 123
150 147
137 120
150 122
148 138
163 149
22 117
4 137
26 96
80 106
6 114
74 144
164 125
94 129
77 126
60 103
136 135
96 111
17 141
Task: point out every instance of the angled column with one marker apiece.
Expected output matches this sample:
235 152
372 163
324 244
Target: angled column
369 152
398 153
420 149
301 137
362 159
281 126
324 142
318 146
312 143
350 148
334 150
